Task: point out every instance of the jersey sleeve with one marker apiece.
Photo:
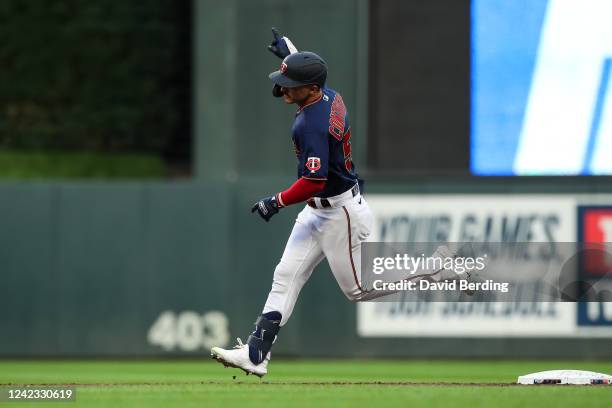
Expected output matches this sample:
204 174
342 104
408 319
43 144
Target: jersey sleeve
313 156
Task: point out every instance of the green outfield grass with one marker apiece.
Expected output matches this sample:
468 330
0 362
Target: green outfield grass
308 383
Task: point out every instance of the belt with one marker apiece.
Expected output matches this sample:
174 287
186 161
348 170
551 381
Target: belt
325 202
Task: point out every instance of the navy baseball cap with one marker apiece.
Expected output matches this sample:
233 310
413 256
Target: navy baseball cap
300 68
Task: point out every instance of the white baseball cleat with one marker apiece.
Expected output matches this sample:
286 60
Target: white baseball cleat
238 357
466 274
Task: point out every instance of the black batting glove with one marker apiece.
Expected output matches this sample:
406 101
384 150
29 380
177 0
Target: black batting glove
281 46
266 207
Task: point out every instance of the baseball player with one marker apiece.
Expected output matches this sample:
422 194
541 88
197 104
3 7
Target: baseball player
336 218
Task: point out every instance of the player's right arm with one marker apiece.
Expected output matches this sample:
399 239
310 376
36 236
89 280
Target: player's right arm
281 46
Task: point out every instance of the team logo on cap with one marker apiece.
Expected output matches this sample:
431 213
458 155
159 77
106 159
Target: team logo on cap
313 164
283 68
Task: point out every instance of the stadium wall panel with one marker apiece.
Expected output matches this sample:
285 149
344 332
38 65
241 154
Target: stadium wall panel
90 269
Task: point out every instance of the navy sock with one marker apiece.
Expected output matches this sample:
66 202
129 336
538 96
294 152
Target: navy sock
254 353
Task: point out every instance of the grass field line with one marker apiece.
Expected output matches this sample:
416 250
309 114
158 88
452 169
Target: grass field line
308 383
270 383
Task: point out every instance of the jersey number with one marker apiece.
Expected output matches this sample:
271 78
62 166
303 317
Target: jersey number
346 149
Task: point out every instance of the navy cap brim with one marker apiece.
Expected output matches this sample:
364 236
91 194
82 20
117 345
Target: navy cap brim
281 80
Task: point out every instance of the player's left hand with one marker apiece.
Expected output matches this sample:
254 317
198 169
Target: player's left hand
266 207
281 46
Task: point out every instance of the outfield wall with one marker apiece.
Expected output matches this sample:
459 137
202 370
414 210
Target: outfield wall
90 269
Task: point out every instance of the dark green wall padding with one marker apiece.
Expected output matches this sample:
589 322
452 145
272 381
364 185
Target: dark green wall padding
87 268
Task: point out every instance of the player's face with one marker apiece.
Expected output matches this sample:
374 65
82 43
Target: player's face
299 94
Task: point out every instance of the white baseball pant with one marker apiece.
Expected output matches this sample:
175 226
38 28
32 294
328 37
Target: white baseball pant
334 233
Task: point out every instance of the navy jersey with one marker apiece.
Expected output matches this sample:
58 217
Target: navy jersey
321 136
